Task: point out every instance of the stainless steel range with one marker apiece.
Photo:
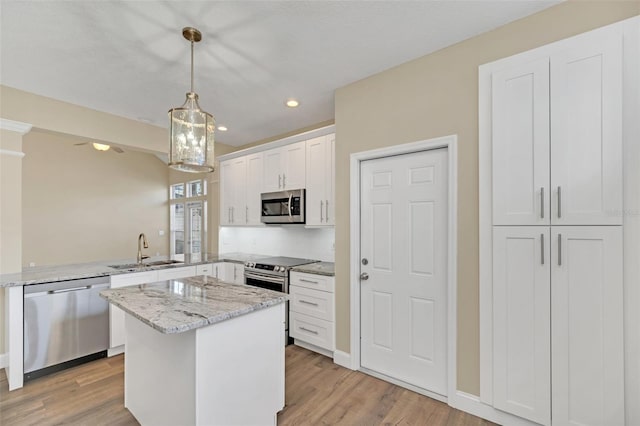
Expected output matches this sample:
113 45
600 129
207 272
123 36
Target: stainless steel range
272 273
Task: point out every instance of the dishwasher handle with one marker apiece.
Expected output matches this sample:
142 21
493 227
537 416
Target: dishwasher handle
66 290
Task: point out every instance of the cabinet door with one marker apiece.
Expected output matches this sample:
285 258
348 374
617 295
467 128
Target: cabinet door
587 331
238 274
176 273
521 321
239 188
293 172
272 170
316 195
254 189
116 315
226 191
331 181
520 144
586 132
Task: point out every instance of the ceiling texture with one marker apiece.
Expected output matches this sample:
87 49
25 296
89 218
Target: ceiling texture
129 58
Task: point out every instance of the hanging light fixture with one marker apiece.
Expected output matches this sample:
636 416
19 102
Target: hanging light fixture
191 129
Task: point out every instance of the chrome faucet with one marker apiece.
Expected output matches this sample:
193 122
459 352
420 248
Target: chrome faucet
141 256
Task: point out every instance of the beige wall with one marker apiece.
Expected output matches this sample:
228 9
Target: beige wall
10 213
83 205
432 96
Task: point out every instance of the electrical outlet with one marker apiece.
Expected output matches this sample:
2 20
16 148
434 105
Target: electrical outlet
32 264
161 232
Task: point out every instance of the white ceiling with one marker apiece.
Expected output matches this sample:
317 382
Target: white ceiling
129 58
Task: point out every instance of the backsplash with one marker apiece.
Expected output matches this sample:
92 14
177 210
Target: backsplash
286 240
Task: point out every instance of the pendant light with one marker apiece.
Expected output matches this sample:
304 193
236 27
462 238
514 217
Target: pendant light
191 128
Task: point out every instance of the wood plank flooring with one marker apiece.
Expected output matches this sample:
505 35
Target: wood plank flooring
318 392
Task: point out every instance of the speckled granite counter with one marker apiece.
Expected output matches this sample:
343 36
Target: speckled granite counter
46 274
176 306
320 268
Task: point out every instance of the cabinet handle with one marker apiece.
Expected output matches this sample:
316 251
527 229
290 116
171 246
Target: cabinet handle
235 273
284 181
326 206
308 303
542 203
542 249
279 181
559 249
308 331
308 281
233 215
229 214
216 272
321 205
559 202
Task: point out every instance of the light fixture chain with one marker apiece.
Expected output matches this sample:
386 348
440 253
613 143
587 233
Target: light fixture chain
192 66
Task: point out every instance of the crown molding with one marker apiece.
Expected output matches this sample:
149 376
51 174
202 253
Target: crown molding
15 126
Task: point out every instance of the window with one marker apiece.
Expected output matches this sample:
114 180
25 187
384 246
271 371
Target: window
188 219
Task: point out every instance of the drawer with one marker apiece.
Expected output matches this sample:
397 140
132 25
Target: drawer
318 304
133 279
311 330
314 281
176 273
204 269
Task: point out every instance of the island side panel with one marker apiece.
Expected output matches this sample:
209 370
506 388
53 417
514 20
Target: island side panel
240 367
159 375
14 335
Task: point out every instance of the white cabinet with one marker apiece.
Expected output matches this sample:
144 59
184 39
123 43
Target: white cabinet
254 181
233 191
320 180
176 273
557 328
312 311
116 315
232 272
240 189
557 137
284 167
522 320
205 269
587 325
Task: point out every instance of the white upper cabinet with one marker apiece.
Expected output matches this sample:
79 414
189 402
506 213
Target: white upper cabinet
320 180
586 133
521 145
284 167
254 189
233 184
240 188
557 137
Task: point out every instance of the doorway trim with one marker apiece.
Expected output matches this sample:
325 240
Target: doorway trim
450 143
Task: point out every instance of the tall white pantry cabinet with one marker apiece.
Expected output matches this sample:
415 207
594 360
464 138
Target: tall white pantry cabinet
554 333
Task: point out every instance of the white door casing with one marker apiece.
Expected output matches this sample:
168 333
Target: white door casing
522 321
587 333
404 214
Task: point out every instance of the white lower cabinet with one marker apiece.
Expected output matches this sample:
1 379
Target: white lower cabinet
233 272
176 273
116 315
312 310
558 324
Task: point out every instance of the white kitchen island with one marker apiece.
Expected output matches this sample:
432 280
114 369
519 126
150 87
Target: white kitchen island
202 352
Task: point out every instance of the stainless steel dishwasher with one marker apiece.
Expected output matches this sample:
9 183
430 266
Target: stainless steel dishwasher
66 323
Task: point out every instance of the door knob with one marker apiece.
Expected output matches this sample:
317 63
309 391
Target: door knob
364 276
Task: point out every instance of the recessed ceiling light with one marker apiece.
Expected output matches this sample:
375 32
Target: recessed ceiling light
292 103
222 128
101 146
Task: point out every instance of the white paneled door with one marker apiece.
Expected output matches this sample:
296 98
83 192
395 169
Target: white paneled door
404 217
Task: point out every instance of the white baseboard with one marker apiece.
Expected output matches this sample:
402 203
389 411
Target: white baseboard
343 359
4 360
115 351
313 348
471 404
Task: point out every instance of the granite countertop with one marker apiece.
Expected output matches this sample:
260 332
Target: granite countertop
176 306
320 268
46 274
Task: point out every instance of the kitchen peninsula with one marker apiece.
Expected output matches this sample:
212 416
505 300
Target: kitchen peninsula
202 351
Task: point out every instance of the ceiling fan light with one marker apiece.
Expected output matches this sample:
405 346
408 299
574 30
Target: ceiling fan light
191 130
101 146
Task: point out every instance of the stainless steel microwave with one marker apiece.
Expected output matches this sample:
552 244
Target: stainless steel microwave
283 206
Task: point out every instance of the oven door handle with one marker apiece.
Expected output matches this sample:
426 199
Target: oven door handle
261 277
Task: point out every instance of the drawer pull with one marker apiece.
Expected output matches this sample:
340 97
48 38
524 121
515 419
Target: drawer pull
308 331
308 303
308 281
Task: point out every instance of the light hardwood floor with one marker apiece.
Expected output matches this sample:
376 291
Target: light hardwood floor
318 392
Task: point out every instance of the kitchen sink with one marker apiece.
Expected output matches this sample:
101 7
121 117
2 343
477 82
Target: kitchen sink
146 264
